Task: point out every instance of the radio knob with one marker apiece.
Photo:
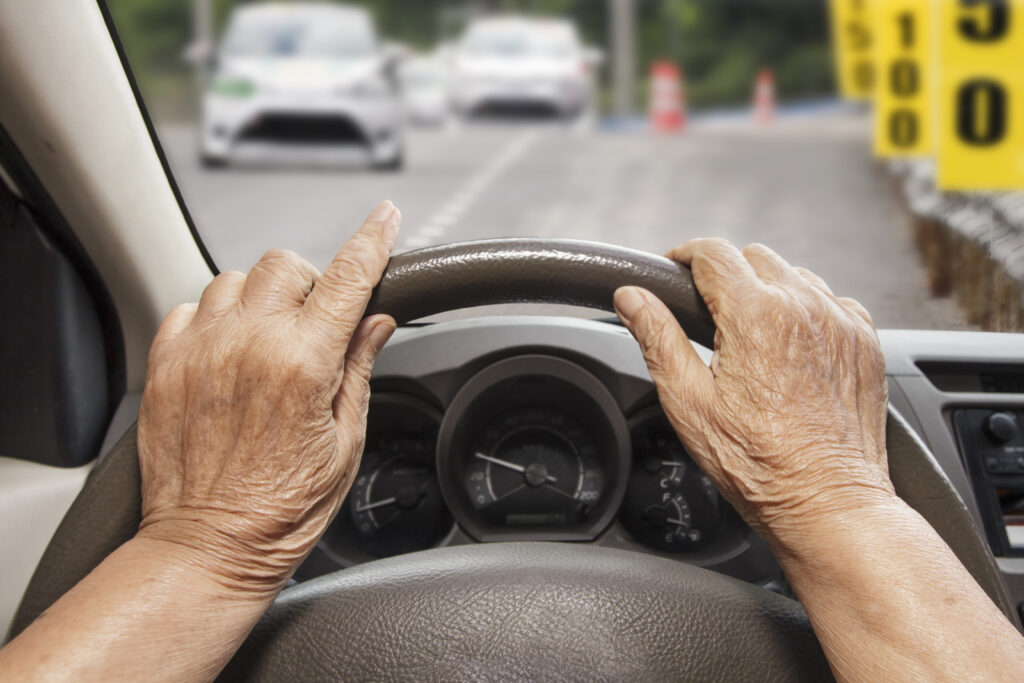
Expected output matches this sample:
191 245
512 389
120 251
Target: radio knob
1001 427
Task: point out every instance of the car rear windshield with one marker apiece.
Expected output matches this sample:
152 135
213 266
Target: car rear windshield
317 34
550 41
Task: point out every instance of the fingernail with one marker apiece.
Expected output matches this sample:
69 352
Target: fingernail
393 224
381 333
383 210
628 301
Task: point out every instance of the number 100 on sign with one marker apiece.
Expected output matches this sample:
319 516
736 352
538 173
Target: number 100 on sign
905 47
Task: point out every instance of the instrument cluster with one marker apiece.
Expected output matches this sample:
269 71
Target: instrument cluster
530 448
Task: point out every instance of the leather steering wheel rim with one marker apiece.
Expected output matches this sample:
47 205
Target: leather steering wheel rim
428 281
518 610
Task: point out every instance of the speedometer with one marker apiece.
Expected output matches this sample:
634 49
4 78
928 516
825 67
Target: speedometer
533 448
534 467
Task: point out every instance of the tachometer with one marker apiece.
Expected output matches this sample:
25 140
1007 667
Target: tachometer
395 502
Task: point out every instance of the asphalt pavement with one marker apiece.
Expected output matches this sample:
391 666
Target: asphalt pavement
804 185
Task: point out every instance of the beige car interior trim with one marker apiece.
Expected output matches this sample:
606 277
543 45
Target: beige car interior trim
33 500
67 104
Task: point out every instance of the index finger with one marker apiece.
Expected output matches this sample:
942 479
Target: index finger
719 270
339 297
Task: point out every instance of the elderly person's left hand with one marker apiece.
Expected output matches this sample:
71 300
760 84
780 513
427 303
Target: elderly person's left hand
250 433
253 418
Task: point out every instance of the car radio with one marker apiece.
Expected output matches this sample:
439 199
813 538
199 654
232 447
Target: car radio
992 444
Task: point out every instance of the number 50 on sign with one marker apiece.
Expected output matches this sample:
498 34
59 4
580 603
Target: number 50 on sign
980 94
853 43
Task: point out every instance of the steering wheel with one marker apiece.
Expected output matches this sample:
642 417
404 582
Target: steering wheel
526 610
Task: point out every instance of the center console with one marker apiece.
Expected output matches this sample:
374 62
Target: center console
992 444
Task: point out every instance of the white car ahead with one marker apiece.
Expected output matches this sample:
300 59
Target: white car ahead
301 82
522 65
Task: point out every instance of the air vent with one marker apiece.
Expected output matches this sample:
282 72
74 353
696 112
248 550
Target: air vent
989 378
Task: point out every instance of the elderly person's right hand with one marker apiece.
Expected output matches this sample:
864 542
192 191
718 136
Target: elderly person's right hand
789 420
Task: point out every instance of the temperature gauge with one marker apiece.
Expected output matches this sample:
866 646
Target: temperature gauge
670 504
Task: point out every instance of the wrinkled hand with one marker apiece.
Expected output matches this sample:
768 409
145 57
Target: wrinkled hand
789 420
253 416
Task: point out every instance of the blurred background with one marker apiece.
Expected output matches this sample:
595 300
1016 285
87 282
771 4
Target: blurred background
637 122
721 43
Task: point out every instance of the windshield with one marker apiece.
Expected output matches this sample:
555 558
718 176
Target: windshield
754 121
319 34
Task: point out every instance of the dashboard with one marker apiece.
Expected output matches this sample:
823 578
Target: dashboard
533 428
529 429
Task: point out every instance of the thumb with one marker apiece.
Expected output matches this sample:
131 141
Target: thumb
685 384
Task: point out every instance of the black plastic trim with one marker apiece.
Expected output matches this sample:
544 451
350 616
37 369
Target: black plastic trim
157 147
37 201
974 377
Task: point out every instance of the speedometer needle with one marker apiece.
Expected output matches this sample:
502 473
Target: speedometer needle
377 504
509 465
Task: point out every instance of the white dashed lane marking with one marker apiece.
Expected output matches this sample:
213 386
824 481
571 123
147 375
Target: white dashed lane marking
433 231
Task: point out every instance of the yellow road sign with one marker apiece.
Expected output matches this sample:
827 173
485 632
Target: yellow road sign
904 66
852 44
980 104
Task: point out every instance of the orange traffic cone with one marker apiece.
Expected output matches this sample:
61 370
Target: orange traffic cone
667 98
764 97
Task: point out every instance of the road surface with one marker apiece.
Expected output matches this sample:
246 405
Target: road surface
806 187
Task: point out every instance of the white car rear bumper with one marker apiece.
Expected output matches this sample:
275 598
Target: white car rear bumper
304 128
565 98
